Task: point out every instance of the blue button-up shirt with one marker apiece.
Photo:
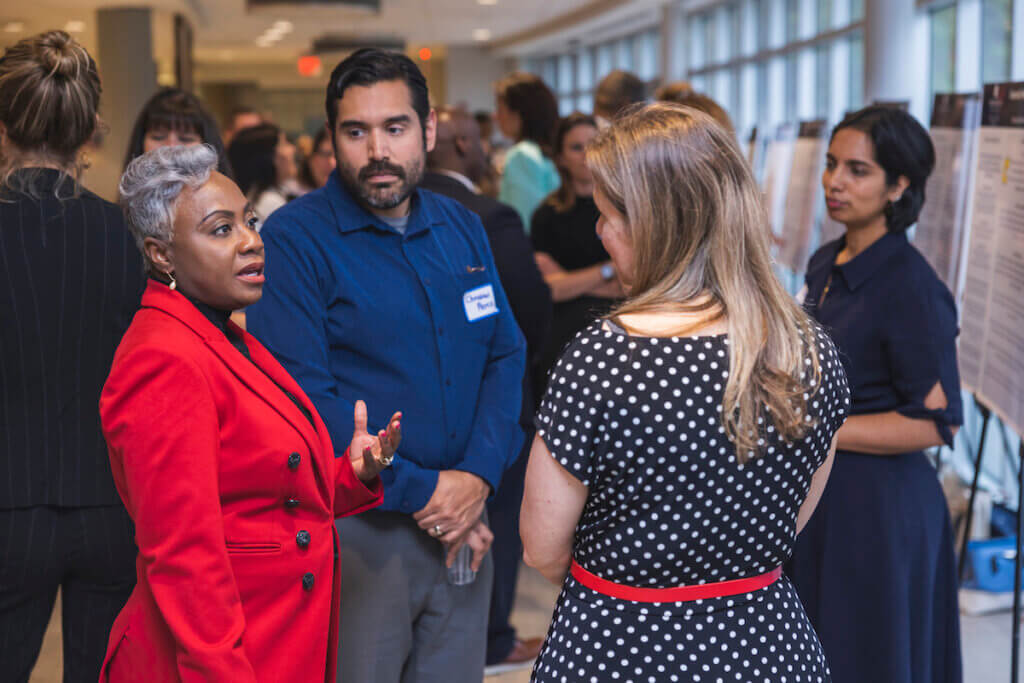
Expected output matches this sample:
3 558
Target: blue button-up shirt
416 322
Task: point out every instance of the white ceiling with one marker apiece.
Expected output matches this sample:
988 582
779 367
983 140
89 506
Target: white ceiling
226 30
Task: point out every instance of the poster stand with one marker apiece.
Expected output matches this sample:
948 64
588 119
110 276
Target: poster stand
986 415
1015 640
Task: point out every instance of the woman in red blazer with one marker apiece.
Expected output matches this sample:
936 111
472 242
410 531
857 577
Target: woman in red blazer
222 461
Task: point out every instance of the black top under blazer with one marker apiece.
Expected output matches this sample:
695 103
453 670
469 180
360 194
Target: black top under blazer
70 280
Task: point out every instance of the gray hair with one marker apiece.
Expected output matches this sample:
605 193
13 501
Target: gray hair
152 183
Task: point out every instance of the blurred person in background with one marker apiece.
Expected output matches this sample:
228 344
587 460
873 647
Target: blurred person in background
680 92
241 118
317 166
615 93
175 117
494 153
527 113
264 163
567 248
72 280
457 161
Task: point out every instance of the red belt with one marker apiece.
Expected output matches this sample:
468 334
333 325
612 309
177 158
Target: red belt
703 591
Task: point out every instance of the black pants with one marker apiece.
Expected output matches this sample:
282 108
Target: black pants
507 550
89 553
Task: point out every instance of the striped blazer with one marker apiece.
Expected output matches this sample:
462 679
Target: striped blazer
70 280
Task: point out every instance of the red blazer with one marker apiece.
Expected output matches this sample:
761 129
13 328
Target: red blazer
234 494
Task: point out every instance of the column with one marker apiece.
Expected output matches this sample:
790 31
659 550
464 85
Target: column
128 72
888 50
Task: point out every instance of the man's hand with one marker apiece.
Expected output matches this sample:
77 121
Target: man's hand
479 539
371 454
455 506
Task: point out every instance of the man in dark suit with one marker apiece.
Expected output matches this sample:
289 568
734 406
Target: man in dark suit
458 158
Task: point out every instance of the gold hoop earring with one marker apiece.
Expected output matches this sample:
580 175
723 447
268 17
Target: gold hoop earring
174 283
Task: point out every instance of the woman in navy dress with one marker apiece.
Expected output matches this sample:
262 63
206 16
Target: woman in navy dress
875 566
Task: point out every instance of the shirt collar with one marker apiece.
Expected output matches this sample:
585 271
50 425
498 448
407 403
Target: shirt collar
455 175
351 216
860 268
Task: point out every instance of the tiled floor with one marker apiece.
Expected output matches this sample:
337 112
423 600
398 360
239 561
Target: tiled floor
986 640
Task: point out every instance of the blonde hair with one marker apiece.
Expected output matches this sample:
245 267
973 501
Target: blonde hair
49 98
697 227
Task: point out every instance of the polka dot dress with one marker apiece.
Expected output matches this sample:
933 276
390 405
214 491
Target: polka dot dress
636 419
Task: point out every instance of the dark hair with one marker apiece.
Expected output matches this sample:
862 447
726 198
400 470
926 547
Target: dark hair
252 156
180 111
616 91
564 198
371 65
680 92
49 98
902 148
305 172
528 96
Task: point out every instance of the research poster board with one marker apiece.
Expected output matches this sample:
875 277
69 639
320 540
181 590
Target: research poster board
992 323
778 157
941 227
803 195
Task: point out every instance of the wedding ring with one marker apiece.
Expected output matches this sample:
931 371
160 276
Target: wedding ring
438 532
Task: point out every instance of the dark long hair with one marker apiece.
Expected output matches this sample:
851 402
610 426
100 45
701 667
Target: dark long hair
564 198
902 148
251 153
370 65
180 111
528 96
305 172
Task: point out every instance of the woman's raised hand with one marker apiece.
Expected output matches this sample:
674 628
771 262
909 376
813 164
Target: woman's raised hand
371 454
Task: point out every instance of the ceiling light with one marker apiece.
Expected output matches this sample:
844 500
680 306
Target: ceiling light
283 26
264 41
487 2
481 34
14 27
74 26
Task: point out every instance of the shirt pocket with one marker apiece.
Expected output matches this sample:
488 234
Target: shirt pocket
252 547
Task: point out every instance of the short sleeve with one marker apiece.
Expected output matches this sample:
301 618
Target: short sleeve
571 416
828 404
921 351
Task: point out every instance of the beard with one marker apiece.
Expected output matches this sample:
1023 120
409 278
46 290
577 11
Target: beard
382 196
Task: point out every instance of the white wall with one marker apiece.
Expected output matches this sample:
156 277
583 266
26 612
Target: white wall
470 76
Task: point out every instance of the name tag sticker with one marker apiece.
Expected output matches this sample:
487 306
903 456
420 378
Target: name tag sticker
479 303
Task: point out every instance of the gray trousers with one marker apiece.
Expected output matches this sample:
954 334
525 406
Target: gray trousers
401 621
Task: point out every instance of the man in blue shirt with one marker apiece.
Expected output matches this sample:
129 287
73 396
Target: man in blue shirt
380 291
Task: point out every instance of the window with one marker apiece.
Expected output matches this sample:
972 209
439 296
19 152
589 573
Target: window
856 72
996 32
943 50
605 61
824 15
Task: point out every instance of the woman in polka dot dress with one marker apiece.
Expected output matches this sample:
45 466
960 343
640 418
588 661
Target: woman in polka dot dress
684 441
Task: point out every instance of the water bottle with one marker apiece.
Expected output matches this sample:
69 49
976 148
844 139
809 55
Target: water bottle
461 573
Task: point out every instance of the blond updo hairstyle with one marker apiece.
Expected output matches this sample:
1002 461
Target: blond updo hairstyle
49 99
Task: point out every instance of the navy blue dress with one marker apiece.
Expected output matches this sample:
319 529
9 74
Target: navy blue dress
875 565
